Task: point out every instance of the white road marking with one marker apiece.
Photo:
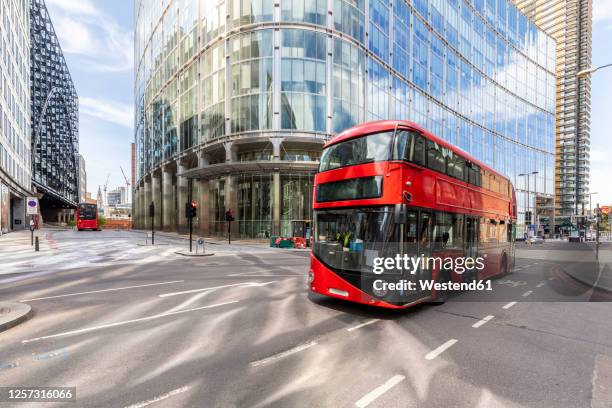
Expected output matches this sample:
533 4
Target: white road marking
359 326
529 292
539 285
102 290
483 321
435 353
142 319
244 284
284 354
159 398
377 392
551 278
509 305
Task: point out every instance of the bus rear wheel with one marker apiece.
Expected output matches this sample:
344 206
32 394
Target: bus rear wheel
504 266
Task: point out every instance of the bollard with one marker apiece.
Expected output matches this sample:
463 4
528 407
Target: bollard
36 246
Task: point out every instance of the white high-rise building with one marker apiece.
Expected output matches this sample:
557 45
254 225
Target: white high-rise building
15 157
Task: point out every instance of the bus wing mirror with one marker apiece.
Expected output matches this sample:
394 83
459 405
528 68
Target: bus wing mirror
399 214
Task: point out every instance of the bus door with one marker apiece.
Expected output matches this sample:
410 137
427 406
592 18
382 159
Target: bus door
471 237
411 247
425 227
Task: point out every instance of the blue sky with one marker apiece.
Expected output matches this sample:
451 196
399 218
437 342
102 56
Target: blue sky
97 40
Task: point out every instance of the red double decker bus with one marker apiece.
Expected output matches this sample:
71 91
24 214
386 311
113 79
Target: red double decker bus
87 217
387 189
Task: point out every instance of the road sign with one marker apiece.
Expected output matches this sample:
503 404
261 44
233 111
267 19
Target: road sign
32 206
605 209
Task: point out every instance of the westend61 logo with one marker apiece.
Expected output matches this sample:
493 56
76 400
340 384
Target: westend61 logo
412 264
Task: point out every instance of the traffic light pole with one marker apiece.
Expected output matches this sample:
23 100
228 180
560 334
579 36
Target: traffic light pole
190 233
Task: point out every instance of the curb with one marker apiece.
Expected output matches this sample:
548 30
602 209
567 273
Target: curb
183 253
12 314
589 284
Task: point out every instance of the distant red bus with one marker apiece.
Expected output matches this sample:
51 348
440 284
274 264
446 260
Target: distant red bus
87 217
390 188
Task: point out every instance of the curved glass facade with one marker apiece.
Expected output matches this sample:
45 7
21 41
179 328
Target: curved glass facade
258 82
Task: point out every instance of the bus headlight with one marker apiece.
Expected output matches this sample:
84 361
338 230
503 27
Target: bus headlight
310 276
379 288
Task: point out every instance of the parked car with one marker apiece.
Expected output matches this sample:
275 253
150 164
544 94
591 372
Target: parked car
535 240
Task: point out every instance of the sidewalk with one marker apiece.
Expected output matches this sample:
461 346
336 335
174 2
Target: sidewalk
210 240
245 243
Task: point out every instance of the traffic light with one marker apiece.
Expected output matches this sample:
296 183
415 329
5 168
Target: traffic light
229 216
191 209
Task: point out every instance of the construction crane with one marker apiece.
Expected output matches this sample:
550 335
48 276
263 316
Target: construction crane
127 183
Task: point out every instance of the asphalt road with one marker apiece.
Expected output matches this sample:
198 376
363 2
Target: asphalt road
131 325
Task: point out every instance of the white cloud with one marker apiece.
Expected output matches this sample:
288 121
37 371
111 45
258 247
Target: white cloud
111 111
602 10
91 34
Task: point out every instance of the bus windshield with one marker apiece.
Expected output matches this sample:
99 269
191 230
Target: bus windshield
366 149
350 239
87 211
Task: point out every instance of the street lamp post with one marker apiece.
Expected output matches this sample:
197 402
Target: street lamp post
586 72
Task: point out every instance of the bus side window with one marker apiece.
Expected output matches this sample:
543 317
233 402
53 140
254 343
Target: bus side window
418 151
409 146
435 157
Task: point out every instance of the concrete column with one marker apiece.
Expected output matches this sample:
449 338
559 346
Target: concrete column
156 194
231 152
147 200
204 206
276 147
276 203
183 196
203 197
167 199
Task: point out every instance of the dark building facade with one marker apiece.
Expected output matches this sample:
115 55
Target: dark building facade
55 125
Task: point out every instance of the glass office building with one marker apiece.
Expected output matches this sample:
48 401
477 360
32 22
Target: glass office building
14 113
235 99
55 120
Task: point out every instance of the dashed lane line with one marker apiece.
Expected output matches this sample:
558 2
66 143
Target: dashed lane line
102 290
159 398
539 285
529 292
359 326
482 321
436 352
378 391
509 305
142 319
284 354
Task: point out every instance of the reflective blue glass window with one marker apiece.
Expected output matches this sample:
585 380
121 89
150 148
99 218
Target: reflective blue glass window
349 18
303 80
251 11
311 11
421 7
436 68
348 86
420 44
437 19
479 6
501 17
